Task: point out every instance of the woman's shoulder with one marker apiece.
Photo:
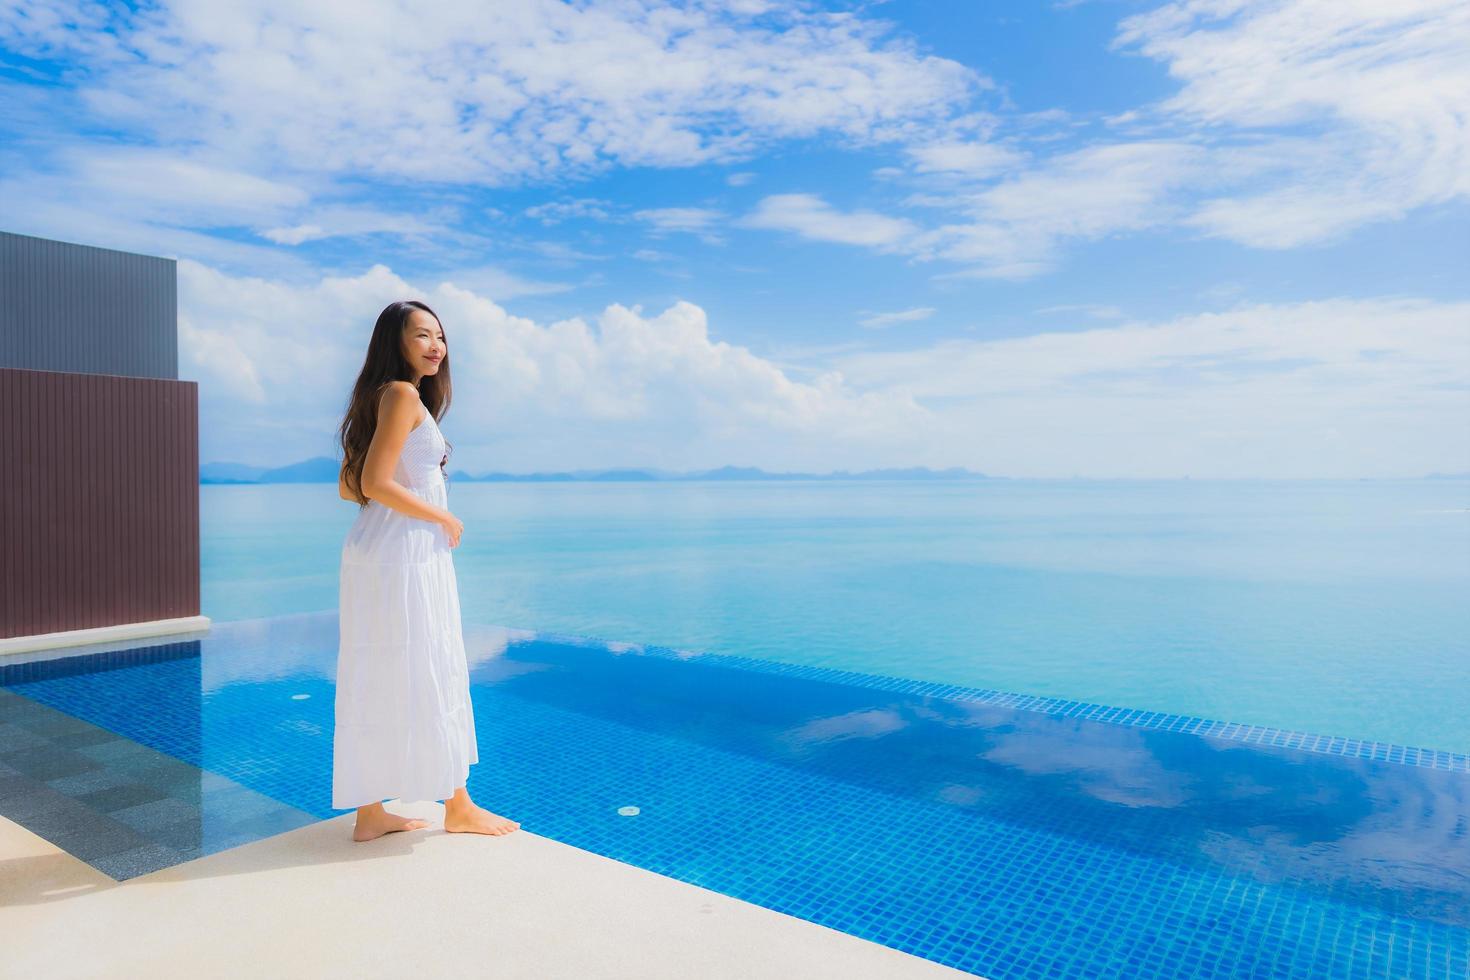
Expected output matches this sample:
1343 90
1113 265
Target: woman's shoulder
396 392
400 387
399 396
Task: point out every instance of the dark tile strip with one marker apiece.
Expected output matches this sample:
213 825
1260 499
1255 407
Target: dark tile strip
122 807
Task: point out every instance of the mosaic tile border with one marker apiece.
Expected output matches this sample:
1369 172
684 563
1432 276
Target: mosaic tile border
1062 707
142 652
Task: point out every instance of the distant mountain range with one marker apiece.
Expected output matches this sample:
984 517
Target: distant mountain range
323 469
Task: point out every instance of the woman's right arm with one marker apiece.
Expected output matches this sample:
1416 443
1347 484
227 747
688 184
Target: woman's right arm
398 408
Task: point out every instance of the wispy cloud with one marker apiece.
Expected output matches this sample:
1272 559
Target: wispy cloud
1383 87
501 283
811 217
1293 121
157 185
336 222
695 221
1097 311
971 159
555 212
1012 229
877 320
1288 390
563 252
1297 122
496 94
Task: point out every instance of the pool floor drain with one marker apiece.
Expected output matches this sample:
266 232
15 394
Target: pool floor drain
628 811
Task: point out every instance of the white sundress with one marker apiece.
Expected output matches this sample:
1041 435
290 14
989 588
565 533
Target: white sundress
404 725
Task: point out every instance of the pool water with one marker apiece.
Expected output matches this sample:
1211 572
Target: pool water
1004 835
1323 606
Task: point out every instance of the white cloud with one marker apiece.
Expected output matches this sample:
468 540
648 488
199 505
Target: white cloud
877 320
562 252
695 221
156 186
811 217
502 283
87 218
295 235
1095 310
554 212
275 362
1014 228
1296 122
1383 88
972 159
496 94
147 199
251 114
664 263
1336 388
340 221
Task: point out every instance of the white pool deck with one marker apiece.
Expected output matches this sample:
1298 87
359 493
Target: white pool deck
314 903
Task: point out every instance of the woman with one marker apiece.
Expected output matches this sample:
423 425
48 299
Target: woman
405 726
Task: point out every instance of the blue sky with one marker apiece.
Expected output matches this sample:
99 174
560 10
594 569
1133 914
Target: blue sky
1206 238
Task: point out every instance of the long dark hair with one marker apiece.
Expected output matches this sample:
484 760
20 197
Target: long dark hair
384 365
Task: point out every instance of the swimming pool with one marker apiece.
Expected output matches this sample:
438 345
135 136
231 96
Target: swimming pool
1006 836
1323 606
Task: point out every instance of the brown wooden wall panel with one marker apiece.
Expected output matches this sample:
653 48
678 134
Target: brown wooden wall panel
99 500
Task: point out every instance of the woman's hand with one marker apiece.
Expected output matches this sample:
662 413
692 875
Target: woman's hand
453 528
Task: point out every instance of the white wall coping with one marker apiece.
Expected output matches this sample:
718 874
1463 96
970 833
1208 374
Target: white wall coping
119 633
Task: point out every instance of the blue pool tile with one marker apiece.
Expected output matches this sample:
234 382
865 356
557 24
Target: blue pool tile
1003 834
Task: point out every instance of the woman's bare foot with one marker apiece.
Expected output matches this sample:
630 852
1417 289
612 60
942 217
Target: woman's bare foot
462 815
373 821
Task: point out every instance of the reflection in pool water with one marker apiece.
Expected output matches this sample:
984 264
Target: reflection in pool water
1001 840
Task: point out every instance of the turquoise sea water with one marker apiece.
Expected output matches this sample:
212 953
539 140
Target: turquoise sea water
1324 606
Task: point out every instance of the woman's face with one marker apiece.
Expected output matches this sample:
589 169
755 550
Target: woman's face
423 343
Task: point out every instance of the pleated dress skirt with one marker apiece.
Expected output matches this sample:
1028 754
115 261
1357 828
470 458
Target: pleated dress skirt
404 725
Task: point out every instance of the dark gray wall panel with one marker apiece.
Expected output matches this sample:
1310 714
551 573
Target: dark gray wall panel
80 308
